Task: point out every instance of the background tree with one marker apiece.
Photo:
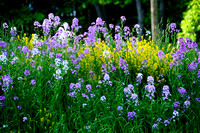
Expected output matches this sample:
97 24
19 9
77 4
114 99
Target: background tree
190 25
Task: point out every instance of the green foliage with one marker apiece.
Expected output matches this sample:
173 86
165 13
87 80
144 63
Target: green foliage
190 25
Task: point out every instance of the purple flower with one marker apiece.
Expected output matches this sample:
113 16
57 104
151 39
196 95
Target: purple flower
49 82
186 104
166 122
3 44
36 24
198 99
7 80
123 18
173 26
15 98
72 94
27 72
78 85
84 95
176 104
182 90
155 126
106 77
131 115
192 66
33 82
119 108
2 104
150 80
161 54
58 55
88 87
25 49
19 107
166 92
159 119
149 91
111 26
2 98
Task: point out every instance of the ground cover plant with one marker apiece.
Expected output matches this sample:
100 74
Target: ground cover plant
107 79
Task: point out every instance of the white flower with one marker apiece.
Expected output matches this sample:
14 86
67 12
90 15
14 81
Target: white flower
58 72
106 77
57 62
65 63
3 58
84 104
103 99
14 28
35 51
66 25
5 126
19 78
137 26
140 75
24 119
5 25
106 53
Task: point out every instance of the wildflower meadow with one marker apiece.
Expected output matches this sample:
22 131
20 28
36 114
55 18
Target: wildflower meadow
108 79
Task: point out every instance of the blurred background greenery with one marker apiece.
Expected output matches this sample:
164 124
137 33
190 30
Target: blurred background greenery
26 12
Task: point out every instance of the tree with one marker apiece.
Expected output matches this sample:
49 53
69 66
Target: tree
190 25
154 18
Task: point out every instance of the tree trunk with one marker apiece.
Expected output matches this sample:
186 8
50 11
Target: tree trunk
162 13
140 14
154 18
98 10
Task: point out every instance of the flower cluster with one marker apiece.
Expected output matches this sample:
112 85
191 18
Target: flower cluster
130 94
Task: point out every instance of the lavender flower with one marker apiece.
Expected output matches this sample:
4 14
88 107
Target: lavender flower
198 100
176 104
166 92
149 91
123 18
27 72
186 104
173 27
15 98
159 119
192 66
7 80
88 87
106 77
2 104
131 115
3 44
161 54
139 78
2 98
19 107
166 122
182 91
150 80
119 108
155 126
33 82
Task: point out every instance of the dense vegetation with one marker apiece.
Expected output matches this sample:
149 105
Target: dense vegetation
107 79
